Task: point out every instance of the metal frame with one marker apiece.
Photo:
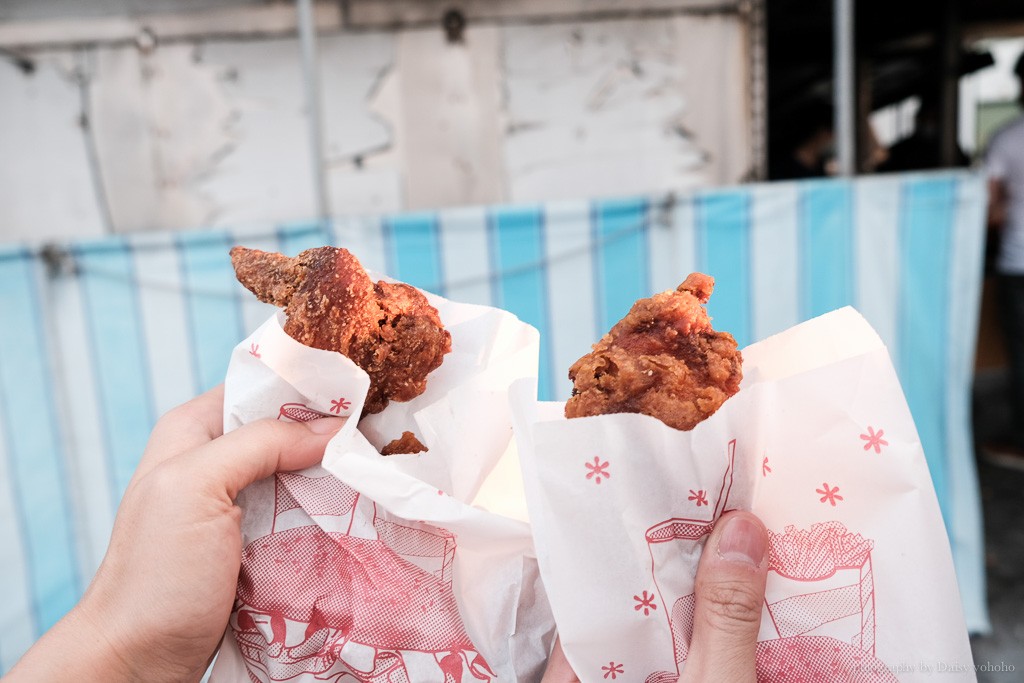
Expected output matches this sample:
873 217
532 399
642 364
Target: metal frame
843 87
311 82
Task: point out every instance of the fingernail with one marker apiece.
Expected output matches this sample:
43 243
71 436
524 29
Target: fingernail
742 541
325 425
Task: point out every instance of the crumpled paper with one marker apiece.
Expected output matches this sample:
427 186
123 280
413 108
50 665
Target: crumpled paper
820 444
415 567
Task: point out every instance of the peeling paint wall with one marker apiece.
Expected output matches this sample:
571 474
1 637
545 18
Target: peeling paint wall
160 125
267 175
199 133
446 112
46 179
622 107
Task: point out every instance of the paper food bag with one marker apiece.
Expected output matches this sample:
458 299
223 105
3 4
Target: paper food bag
373 568
820 444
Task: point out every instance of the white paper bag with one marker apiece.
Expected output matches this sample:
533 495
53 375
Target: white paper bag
820 444
397 568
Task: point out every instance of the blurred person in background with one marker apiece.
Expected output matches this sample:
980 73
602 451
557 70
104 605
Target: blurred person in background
807 143
1004 164
922 149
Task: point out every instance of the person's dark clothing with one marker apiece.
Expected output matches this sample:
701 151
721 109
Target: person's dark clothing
1011 305
918 153
790 168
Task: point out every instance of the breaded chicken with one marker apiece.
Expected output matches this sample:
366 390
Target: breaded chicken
406 443
663 359
389 330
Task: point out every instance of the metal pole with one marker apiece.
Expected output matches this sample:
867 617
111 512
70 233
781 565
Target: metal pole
759 88
949 88
843 87
310 73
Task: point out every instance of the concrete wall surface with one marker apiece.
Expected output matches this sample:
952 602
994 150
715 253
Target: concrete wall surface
202 130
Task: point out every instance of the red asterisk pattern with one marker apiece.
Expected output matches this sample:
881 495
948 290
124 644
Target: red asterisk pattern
764 467
598 469
254 350
829 494
339 405
645 603
874 439
612 670
700 496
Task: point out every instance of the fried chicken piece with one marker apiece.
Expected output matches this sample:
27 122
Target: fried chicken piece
389 330
663 359
407 443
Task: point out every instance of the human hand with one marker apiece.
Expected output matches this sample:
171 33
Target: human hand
729 592
159 603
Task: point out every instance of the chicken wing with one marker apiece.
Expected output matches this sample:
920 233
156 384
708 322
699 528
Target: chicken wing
389 330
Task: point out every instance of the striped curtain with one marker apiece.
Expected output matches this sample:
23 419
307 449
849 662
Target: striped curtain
98 338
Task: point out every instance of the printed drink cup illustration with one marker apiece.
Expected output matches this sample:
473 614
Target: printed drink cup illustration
675 543
820 598
335 592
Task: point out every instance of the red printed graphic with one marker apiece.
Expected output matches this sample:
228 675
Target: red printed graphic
254 350
829 494
597 469
320 496
612 670
339 405
299 412
874 439
822 606
765 469
821 598
645 603
838 562
701 497
338 607
673 540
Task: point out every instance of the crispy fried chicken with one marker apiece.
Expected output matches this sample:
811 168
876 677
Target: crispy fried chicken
663 359
389 330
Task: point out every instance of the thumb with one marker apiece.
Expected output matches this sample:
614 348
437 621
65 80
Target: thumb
729 592
257 450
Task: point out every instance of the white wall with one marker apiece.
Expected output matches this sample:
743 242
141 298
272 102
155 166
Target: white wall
202 132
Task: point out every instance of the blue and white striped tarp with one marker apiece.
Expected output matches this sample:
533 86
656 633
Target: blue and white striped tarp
100 340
